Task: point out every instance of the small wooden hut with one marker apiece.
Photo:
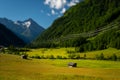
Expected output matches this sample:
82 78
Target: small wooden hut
24 56
71 64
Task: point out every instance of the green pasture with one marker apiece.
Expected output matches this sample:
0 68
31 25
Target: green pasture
86 63
106 52
64 52
51 51
13 67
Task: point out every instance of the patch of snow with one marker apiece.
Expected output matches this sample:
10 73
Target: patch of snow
27 24
16 23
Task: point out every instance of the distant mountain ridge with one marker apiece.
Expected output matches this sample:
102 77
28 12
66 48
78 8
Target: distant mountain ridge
27 30
8 38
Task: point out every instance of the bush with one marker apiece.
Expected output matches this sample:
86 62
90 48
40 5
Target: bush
37 57
10 52
69 51
73 56
43 57
100 57
114 57
59 57
77 56
17 53
119 58
32 56
81 49
84 56
64 57
51 57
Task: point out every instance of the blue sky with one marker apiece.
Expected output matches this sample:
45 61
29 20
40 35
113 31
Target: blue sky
44 12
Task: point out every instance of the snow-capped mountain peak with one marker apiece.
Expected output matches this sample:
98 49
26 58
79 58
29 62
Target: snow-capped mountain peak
27 30
27 24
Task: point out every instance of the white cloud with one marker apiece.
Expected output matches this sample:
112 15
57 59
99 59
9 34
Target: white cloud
73 2
55 4
53 12
63 10
59 7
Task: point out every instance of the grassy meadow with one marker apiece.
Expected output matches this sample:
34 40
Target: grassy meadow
13 67
64 52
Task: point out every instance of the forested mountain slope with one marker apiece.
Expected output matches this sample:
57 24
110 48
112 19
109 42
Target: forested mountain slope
87 19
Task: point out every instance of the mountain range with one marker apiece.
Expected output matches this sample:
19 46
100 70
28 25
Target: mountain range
89 25
27 30
7 37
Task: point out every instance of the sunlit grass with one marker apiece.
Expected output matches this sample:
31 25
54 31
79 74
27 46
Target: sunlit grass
63 52
51 51
13 67
107 53
87 63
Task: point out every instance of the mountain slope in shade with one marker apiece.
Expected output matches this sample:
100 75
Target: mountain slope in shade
27 30
8 38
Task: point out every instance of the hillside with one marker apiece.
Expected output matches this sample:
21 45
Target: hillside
88 19
8 38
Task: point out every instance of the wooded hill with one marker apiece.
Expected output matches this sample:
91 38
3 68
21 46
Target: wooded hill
90 25
8 38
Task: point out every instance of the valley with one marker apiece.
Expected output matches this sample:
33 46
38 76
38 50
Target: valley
36 67
82 43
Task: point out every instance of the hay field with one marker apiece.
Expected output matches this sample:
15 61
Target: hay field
12 67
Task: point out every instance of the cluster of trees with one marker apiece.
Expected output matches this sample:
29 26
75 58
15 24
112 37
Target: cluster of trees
70 56
101 56
43 44
17 51
113 57
102 41
46 57
73 42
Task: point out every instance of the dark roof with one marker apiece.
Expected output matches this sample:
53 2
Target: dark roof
72 64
